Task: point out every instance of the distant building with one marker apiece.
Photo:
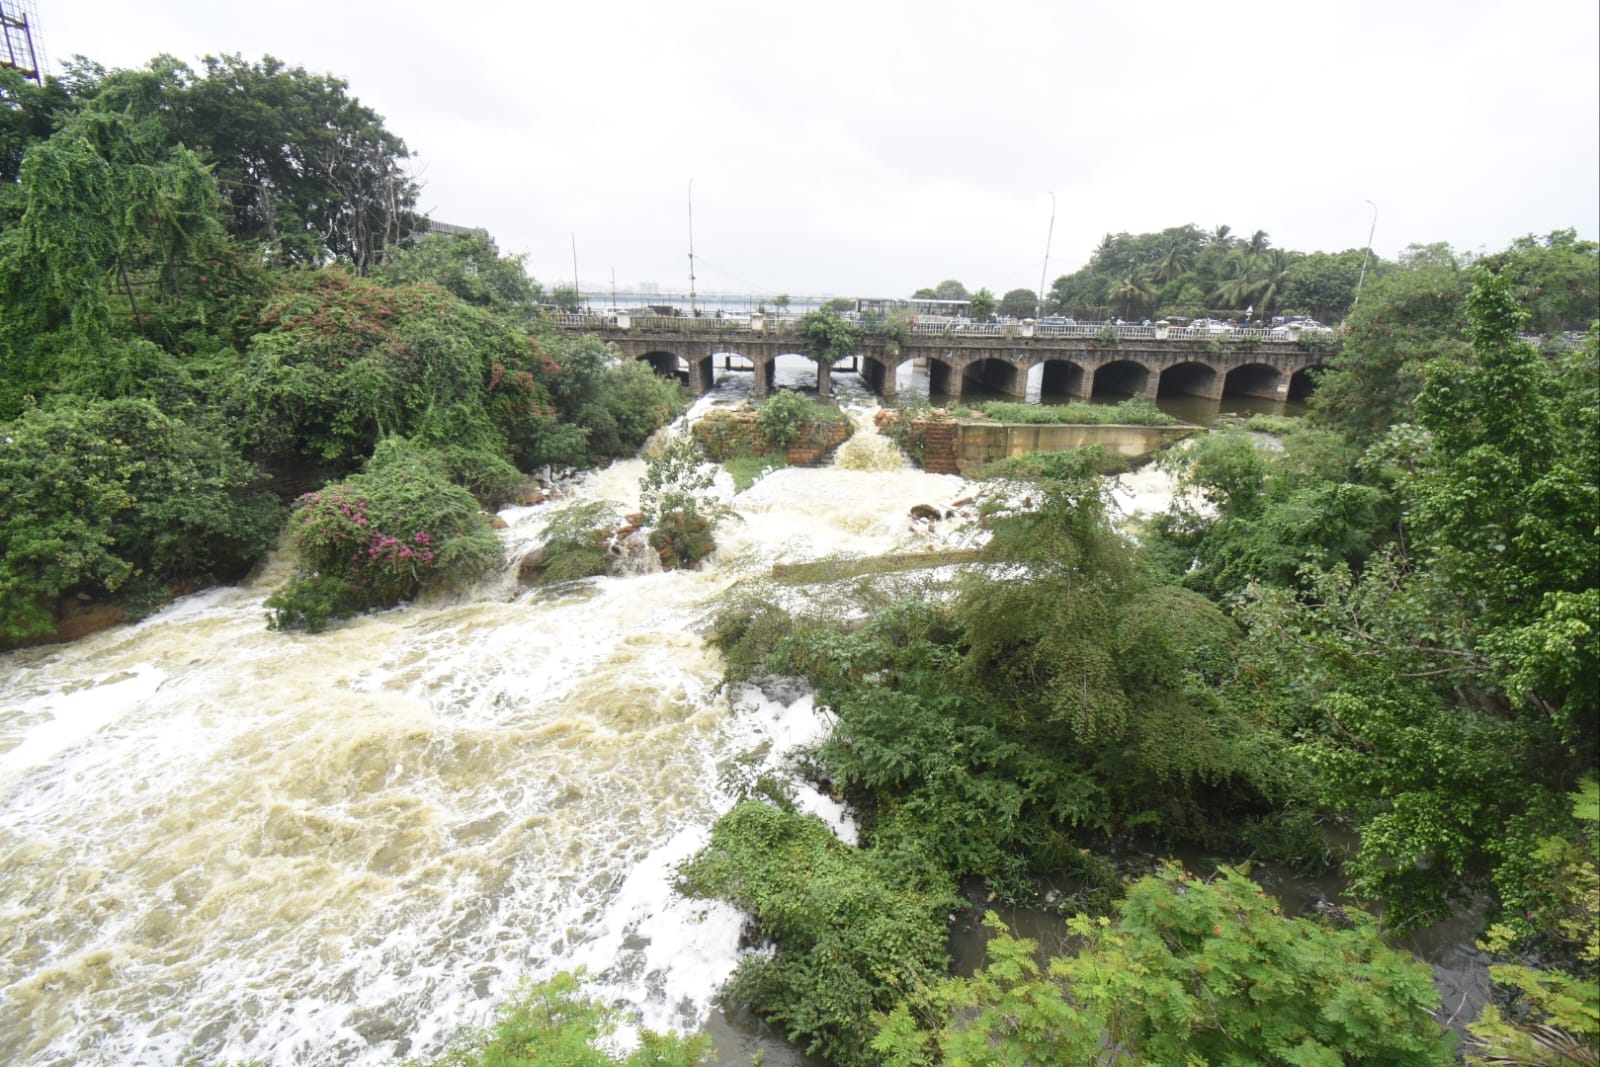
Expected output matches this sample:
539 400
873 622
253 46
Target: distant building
451 230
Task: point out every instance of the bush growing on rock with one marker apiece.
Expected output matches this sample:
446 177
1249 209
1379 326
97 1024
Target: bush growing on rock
382 536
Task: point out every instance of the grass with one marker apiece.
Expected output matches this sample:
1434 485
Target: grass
836 570
748 470
1133 412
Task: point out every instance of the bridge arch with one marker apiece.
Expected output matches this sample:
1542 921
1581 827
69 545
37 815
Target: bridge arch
1004 376
1191 379
1064 377
1123 378
1260 380
1302 383
881 372
665 364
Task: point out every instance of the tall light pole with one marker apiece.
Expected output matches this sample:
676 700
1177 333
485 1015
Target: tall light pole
1046 268
1364 255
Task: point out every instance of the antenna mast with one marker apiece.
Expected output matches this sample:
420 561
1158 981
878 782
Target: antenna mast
691 246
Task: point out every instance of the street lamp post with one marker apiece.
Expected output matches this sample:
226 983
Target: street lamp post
1365 255
1044 270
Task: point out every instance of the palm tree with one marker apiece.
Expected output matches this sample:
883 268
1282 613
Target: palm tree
1220 236
1242 280
1175 259
1132 287
1258 244
1274 277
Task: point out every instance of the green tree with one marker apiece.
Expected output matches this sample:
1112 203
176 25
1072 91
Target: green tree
1506 512
309 172
114 225
1406 317
675 499
982 305
1020 304
1323 284
1193 972
949 289
1555 277
117 498
826 338
1132 290
466 267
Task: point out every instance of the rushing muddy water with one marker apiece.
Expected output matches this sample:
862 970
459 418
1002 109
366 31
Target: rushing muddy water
219 843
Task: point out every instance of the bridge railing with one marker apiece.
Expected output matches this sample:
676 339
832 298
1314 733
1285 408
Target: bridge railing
787 324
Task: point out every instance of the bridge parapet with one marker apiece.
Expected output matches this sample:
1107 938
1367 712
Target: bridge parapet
777 326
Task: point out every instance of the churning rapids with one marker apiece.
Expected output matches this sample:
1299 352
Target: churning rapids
219 843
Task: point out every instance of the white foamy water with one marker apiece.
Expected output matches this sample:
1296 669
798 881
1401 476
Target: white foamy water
219 843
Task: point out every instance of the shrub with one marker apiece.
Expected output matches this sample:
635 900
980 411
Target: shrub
116 497
746 632
851 933
556 1024
674 497
1193 972
575 542
381 537
785 413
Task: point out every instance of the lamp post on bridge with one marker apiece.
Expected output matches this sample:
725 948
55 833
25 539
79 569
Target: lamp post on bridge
1367 252
1044 270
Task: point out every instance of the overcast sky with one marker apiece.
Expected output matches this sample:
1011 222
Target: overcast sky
871 148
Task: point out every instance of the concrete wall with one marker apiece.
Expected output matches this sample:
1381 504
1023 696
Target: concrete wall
978 443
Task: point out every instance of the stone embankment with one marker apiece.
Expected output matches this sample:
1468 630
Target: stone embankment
726 434
942 444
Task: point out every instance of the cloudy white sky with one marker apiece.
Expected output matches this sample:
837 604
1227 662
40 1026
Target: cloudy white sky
873 147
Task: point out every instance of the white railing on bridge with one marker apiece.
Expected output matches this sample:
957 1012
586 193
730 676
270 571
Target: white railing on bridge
786 324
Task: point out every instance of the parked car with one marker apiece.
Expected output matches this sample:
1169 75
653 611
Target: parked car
1304 326
1209 326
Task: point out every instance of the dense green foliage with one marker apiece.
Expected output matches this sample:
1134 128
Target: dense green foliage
1387 618
556 1024
1193 972
852 930
222 248
115 497
1187 272
675 500
385 535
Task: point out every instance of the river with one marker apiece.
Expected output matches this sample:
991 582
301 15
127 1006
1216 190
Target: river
219 843
222 843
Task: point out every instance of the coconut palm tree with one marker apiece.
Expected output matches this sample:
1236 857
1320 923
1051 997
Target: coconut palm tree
1175 259
1220 236
1273 277
1132 287
1243 277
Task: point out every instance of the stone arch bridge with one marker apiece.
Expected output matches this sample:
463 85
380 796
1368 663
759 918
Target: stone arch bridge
1122 361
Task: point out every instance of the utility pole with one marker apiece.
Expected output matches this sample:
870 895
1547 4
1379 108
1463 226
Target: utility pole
1364 255
577 293
691 246
1044 270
